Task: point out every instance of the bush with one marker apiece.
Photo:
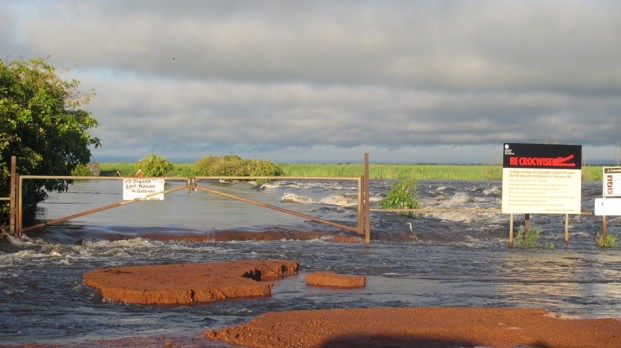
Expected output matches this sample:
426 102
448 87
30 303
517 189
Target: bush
530 239
154 165
233 165
402 195
82 170
607 242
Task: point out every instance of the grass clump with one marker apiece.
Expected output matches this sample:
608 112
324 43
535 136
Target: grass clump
607 242
402 195
529 239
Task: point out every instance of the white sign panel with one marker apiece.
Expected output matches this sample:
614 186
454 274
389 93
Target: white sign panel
608 206
143 188
541 179
536 191
611 178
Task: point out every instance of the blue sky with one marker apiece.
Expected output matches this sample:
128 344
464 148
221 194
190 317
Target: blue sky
322 81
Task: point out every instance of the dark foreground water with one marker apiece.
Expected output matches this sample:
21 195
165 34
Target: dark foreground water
456 259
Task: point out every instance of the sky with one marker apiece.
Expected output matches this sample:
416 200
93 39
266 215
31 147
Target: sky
416 81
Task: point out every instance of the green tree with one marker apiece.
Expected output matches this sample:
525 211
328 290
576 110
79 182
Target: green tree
42 123
154 165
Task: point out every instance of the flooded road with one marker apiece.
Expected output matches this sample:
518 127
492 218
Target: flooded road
446 259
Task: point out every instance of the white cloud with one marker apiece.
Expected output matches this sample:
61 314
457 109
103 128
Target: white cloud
272 77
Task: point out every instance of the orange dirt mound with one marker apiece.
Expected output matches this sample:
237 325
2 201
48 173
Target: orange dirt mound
421 327
188 283
331 279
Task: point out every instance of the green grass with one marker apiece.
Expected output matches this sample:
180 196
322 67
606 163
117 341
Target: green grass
397 171
376 171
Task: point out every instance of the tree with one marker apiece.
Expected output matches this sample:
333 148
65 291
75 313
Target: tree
233 165
154 165
42 123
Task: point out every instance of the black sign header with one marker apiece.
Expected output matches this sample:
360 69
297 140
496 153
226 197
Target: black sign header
548 156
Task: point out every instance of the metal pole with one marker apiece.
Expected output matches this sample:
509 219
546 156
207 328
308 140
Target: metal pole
20 203
360 205
511 231
566 230
13 199
367 204
264 205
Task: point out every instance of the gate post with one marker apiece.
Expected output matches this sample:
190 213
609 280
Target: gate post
361 205
13 198
367 208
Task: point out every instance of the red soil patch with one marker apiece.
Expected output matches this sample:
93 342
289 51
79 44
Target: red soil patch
188 283
331 279
420 327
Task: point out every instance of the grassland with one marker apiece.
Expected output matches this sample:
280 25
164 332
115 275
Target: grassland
376 171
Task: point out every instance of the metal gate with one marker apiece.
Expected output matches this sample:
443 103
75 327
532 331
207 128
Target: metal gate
191 185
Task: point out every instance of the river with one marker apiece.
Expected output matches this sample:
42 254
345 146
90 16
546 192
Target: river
443 259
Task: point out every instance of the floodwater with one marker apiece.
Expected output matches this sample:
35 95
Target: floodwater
444 259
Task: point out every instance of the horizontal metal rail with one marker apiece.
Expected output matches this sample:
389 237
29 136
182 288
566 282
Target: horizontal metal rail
438 210
448 210
179 178
69 177
335 178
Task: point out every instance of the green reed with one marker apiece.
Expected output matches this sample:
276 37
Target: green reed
376 171
397 171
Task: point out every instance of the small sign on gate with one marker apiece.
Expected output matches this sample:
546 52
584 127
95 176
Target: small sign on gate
143 188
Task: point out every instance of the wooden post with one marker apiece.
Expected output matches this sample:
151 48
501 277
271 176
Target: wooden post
20 203
526 224
13 199
604 229
566 230
361 205
511 231
367 208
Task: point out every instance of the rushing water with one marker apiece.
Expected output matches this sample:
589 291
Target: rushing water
447 259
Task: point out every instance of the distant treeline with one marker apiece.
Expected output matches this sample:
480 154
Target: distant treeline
376 171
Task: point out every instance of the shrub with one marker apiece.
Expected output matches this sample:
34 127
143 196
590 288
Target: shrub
154 165
607 242
82 170
530 239
402 195
233 165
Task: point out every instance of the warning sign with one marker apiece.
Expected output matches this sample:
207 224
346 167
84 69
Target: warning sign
541 179
611 182
143 188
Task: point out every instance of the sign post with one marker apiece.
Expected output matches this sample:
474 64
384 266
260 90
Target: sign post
541 179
